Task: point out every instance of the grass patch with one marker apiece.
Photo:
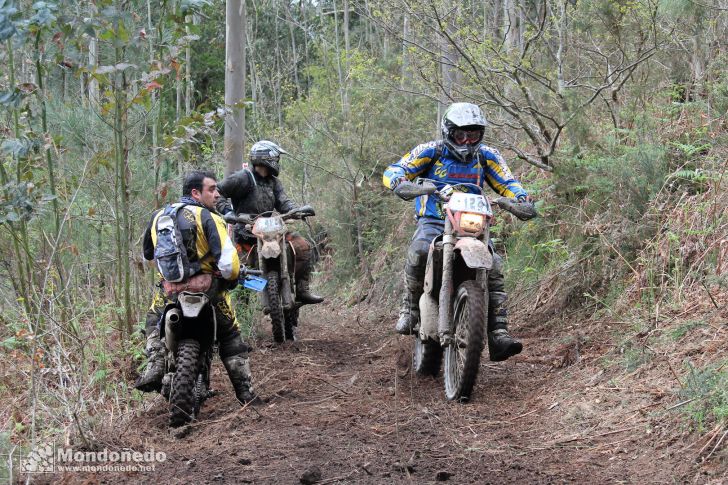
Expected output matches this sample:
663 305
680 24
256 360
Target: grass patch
684 328
707 388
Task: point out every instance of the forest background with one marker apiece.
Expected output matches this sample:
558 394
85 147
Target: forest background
611 112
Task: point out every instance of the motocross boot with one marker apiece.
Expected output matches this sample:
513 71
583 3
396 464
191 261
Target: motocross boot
409 312
501 344
407 321
303 289
238 369
151 380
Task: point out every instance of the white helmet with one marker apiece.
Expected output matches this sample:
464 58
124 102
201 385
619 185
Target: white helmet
268 154
463 126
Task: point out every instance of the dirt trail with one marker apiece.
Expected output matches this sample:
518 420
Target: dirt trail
343 399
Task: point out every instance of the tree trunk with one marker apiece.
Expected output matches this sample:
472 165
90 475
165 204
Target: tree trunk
294 50
188 69
448 62
342 91
121 155
44 120
347 48
234 84
405 46
93 62
510 23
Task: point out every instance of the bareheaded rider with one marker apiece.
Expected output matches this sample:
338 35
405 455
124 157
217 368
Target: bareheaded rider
208 245
460 157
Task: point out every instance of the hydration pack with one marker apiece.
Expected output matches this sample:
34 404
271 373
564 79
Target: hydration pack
170 252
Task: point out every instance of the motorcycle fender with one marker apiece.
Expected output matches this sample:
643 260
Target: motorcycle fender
428 317
270 249
191 304
430 271
475 253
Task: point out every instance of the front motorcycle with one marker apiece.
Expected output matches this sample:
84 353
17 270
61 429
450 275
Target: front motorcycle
454 305
188 328
277 263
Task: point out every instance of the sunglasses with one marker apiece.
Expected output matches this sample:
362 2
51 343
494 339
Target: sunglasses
466 136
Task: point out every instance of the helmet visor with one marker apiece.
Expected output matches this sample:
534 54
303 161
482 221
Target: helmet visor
466 137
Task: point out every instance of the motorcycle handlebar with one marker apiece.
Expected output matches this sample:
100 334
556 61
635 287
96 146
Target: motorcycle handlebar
297 213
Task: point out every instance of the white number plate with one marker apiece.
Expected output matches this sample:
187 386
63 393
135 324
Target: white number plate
268 224
463 202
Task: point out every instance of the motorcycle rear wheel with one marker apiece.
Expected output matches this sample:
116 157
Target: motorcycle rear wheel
291 323
202 384
182 390
462 356
277 318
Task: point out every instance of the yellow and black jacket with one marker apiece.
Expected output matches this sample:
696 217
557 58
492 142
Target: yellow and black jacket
205 237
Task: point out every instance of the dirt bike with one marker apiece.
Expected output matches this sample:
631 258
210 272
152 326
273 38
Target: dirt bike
454 305
189 329
277 266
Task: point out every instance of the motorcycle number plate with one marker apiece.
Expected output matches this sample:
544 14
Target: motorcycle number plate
463 202
255 283
266 225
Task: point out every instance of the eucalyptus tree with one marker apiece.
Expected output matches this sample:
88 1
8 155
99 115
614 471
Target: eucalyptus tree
234 84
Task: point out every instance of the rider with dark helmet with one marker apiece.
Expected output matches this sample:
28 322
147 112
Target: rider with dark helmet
259 190
460 157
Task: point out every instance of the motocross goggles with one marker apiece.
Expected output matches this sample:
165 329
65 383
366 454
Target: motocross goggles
466 137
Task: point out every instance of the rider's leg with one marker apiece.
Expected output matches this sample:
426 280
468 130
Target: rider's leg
151 379
500 343
414 273
233 351
304 267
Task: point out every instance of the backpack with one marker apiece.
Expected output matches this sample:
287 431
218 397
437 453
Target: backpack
170 252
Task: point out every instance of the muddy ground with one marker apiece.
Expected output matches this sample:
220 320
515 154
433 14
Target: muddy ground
343 406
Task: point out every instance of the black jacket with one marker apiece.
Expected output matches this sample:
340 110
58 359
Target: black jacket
252 194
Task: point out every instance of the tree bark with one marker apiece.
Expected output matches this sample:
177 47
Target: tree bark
234 84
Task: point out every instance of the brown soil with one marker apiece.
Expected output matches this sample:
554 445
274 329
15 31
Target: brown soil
343 401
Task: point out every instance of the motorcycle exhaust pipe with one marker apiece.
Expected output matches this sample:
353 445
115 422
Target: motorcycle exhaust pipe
173 316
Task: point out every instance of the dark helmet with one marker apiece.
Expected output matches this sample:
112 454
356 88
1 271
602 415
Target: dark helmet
463 126
268 154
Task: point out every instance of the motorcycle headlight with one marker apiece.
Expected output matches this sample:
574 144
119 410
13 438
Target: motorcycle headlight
470 222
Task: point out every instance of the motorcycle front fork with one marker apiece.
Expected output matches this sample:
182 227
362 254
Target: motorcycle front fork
444 321
285 288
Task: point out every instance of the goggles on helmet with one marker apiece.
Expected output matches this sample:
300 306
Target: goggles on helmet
466 137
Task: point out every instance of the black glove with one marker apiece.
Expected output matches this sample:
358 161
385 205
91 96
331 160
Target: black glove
223 206
407 190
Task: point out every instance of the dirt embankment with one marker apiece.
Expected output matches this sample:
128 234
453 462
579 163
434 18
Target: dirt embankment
342 406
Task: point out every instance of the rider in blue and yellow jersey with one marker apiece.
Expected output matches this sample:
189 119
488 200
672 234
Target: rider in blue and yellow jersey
460 157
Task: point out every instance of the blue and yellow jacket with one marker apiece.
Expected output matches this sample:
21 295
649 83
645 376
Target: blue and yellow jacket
422 161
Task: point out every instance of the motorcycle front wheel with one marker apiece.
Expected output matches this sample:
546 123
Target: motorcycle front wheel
182 396
427 357
277 318
462 356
